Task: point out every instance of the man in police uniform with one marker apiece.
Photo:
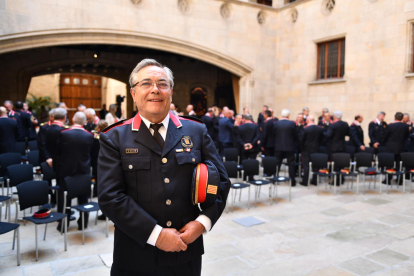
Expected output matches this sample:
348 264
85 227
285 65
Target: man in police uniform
26 122
145 170
8 132
357 134
248 137
376 131
41 138
409 145
267 140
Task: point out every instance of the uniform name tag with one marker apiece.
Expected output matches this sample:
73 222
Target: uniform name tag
131 151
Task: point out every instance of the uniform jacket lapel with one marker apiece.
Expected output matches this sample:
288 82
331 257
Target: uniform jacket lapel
173 137
144 137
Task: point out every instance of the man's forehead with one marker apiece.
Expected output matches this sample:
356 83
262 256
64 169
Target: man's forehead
151 71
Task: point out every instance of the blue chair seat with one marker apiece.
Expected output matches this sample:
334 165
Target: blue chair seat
53 217
81 208
57 187
324 174
4 198
6 227
239 185
259 182
279 179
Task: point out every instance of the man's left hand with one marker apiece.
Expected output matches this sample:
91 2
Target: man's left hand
191 231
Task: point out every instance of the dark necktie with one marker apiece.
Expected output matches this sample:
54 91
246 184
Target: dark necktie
157 135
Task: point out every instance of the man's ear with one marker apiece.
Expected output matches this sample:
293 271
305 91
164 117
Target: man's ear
172 91
132 94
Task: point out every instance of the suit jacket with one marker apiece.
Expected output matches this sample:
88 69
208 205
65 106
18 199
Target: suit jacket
336 134
285 135
376 133
9 132
41 142
311 139
212 126
395 137
26 124
52 136
225 130
74 147
268 139
261 121
133 188
357 135
249 133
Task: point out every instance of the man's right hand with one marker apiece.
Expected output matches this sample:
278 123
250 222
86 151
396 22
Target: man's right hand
376 145
50 162
169 241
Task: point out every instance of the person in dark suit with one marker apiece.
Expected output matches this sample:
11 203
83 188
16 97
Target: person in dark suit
26 122
211 124
238 121
310 142
91 120
103 112
145 168
267 141
409 145
285 135
74 147
41 137
34 122
357 134
261 118
248 138
9 132
305 113
395 139
376 131
326 121
324 110
225 131
52 135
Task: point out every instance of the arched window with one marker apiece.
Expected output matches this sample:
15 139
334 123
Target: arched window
199 100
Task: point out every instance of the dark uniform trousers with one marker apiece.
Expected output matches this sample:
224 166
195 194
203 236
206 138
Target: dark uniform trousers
142 185
290 159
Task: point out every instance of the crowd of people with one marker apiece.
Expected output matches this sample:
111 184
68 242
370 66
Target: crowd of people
288 139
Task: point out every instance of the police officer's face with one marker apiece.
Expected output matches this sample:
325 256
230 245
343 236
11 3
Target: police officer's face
8 107
153 103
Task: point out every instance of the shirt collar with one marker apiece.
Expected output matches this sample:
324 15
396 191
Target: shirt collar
164 122
356 123
378 121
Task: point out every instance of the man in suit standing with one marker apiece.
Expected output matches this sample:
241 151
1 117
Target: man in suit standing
248 138
26 122
324 110
261 118
310 142
74 147
92 119
9 132
305 112
409 145
324 123
225 131
376 131
41 138
395 139
357 134
145 168
267 141
286 137
211 124
52 135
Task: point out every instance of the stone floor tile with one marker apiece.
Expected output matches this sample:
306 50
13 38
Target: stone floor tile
374 242
376 201
245 232
107 259
221 252
347 235
336 212
225 266
312 244
102 271
371 227
76 265
361 266
268 240
93 248
16 271
402 231
265 256
38 270
330 271
388 257
213 238
395 219
358 206
404 247
344 251
401 271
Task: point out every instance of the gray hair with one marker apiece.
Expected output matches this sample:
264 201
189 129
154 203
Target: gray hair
305 108
60 113
79 118
150 62
325 110
406 114
285 112
8 102
61 104
338 114
3 110
381 113
90 111
248 117
52 112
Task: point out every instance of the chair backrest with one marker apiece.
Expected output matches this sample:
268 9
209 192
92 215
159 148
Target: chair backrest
8 159
78 185
407 159
385 160
269 164
32 145
20 148
368 150
251 167
341 160
33 157
323 149
32 193
20 173
382 149
319 160
364 159
47 171
351 151
231 168
231 154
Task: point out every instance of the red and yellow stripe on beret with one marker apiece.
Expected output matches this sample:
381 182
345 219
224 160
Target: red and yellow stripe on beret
205 184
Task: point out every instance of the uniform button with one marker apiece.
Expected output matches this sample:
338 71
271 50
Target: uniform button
164 160
193 159
168 202
130 167
169 223
166 180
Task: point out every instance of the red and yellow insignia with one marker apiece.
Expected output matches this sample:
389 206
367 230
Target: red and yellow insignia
211 189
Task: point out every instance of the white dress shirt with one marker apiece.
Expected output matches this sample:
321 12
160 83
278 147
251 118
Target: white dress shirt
204 220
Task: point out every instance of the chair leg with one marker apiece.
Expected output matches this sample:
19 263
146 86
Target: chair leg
259 191
386 181
24 214
248 202
334 189
317 184
37 251
18 245
57 199
255 196
270 194
290 190
239 194
96 218
106 226
65 231
83 228
14 239
44 236
357 183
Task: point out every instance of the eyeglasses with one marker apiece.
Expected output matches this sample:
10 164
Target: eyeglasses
148 84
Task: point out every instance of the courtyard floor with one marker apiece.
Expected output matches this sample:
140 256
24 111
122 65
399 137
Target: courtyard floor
325 234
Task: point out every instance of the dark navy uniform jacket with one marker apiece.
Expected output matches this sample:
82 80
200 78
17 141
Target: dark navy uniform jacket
52 136
336 134
286 135
26 124
212 126
356 135
311 138
136 178
376 133
225 130
268 139
9 132
41 142
396 136
248 133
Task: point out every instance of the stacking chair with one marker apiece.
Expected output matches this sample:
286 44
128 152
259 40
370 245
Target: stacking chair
78 186
6 227
364 160
32 145
407 165
7 200
351 151
386 161
49 174
382 149
271 173
251 168
233 173
231 154
321 160
32 194
33 158
21 148
343 161
6 160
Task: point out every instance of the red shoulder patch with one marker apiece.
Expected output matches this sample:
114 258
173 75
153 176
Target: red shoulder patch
120 123
191 119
